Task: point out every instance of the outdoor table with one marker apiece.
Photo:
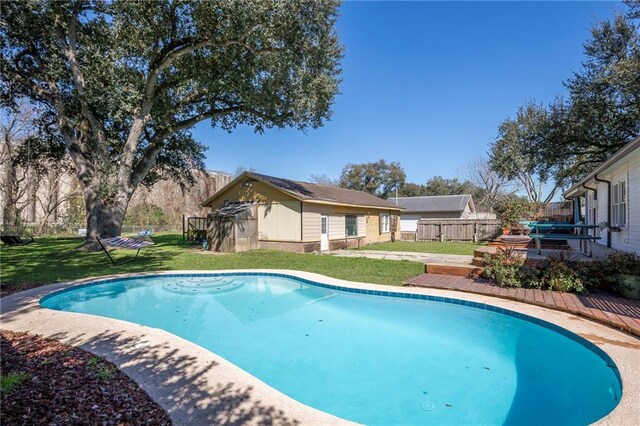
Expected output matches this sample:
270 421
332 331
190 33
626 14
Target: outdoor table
580 230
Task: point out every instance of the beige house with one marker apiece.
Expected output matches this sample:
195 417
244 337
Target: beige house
302 216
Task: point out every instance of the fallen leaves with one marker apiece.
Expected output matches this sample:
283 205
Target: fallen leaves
68 386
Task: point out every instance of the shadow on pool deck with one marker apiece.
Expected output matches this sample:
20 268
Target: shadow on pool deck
190 399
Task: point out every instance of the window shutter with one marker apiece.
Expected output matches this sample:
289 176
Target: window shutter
380 224
614 207
623 203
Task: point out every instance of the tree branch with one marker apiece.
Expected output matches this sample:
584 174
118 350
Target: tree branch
167 56
70 50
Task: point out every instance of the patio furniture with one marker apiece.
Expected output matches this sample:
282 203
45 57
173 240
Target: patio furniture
15 240
582 235
124 243
146 233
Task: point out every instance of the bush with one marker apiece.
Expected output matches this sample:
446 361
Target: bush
507 268
561 273
503 267
512 209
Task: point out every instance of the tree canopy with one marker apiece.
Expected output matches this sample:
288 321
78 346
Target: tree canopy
123 82
563 141
379 178
515 153
602 111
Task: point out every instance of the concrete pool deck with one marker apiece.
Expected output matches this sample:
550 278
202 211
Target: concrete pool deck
196 386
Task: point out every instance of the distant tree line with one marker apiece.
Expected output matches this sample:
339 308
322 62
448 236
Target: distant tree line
385 180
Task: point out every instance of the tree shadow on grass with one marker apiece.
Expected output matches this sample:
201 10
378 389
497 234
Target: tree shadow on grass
50 260
187 389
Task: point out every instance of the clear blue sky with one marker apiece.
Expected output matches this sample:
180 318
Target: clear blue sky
425 84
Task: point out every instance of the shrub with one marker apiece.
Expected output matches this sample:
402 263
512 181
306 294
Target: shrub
622 263
503 267
560 272
512 209
530 276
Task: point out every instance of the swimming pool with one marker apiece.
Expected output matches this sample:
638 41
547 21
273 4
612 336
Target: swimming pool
368 357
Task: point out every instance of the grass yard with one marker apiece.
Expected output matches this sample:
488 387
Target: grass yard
50 260
426 247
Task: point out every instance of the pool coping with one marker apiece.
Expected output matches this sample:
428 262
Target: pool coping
206 388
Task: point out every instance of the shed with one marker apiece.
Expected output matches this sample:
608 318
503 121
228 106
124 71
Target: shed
233 228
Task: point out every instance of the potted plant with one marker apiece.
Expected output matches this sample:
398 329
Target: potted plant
624 268
503 267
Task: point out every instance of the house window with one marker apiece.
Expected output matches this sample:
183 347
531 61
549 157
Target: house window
351 228
619 204
384 222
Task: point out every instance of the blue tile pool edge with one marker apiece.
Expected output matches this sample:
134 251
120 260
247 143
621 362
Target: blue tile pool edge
478 305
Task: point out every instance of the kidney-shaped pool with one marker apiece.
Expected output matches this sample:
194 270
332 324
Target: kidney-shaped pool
383 358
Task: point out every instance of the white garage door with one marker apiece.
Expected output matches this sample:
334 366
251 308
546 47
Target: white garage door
409 222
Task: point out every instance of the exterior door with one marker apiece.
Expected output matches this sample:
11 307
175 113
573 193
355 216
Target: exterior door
324 233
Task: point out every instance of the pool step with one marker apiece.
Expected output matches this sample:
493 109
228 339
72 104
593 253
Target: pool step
452 269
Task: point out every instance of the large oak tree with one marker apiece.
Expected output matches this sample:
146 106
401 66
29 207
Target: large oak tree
124 81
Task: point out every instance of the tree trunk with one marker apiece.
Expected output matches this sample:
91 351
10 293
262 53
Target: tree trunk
104 219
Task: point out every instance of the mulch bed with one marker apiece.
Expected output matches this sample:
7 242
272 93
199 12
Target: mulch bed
7 289
64 385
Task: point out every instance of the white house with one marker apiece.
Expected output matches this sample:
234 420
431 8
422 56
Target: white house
433 207
611 193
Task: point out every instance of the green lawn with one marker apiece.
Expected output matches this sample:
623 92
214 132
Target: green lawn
426 247
50 260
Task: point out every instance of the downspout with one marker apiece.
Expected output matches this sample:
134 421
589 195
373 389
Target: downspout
608 182
595 191
301 221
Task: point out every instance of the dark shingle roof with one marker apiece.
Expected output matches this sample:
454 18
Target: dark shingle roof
306 191
434 203
232 209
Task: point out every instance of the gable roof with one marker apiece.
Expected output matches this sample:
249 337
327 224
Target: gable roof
435 203
311 192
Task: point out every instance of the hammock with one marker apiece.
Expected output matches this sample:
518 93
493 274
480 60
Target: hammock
123 243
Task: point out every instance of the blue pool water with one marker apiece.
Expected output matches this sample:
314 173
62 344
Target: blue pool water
370 358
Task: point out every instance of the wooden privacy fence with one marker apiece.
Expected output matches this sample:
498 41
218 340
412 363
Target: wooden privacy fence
458 230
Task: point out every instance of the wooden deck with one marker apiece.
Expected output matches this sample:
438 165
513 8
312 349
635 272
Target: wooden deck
617 312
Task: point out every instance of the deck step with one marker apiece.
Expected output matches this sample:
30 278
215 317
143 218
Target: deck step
478 261
481 251
453 269
500 244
